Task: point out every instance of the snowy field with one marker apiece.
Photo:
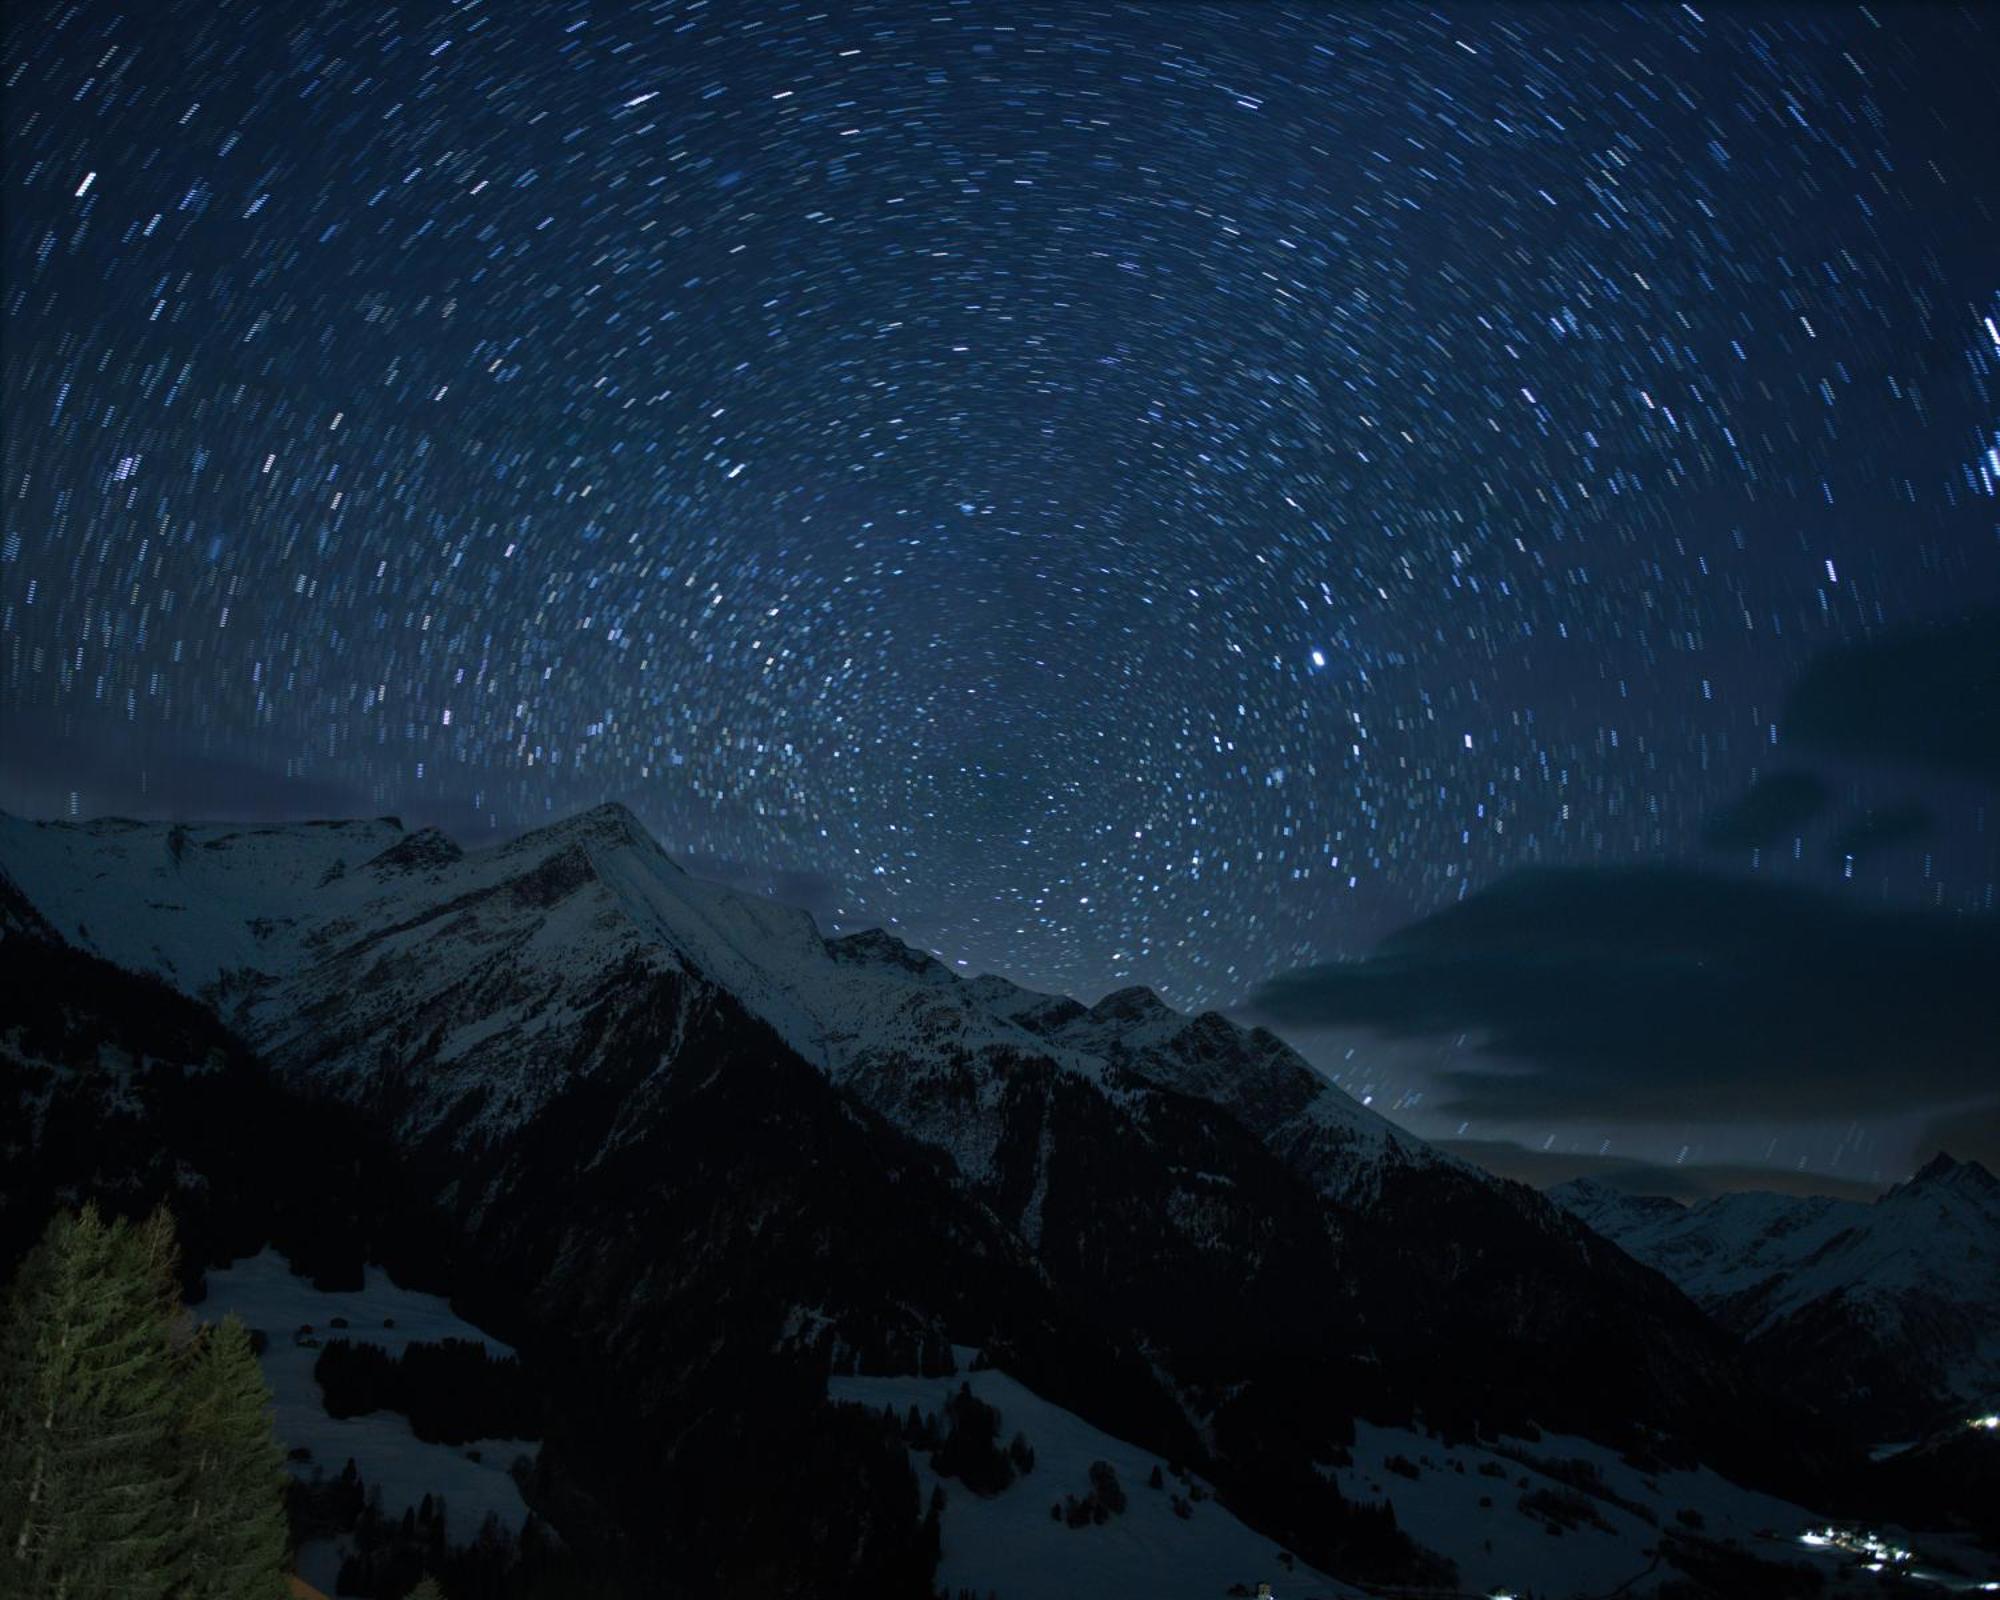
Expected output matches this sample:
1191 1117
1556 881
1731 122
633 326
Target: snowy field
264 1294
1501 1547
1010 1545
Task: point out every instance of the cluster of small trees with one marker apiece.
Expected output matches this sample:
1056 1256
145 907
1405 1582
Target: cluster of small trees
319 1507
136 1452
452 1390
971 1451
1560 1509
1183 1504
1104 1499
966 1446
386 1554
391 1554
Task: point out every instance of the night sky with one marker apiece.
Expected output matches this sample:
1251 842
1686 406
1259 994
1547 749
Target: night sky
1157 493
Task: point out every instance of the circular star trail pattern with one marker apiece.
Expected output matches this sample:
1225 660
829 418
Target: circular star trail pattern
1125 493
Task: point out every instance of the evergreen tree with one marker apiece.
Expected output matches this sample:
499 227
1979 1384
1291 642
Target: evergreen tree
235 1497
90 1483
428 1589
137 1460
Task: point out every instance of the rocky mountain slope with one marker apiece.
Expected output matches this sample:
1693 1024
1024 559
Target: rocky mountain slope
1891 1308
681 1297
696 1145
278 926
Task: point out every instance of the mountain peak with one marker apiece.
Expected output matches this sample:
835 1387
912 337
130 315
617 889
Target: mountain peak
879 947
1944 1171
1612 1211
1136 1004
609 824
426 848
611 816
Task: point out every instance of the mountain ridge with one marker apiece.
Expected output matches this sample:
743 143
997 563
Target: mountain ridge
1901 1294
558 1015
729 936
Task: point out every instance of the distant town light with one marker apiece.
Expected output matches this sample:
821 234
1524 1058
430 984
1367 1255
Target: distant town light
1858 1542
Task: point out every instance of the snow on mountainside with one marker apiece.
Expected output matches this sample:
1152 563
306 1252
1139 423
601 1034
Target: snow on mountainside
1492 1507
658 1115
1613 1212
1915 1276
500 952
1008 1543
1316 1128
476 1479
186 904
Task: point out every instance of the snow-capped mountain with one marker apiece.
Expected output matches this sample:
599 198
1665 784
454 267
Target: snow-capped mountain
673 1120
498 952
683 1242
1892 1308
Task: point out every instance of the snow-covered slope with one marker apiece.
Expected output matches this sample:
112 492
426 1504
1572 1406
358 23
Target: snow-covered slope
1559 1516
1323 1132
475 1479
1939 1229
187 904
572 1015
1009 1544
1555 1515
1913 1278
495 958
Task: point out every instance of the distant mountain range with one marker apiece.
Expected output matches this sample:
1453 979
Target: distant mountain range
695 1159
1891 1310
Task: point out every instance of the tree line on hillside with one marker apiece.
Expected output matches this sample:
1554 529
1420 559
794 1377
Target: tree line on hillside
452 1390
144 1097
138 1459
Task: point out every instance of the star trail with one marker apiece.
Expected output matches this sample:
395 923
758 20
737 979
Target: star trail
1157 493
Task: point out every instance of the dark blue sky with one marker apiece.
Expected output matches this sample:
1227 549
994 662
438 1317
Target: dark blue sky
1156 493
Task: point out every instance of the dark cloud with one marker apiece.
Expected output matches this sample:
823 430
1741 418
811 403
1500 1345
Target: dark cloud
131 772
1921 697
1544 1168
1967 1133
125 772
1876 831
1771 811
1645 993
